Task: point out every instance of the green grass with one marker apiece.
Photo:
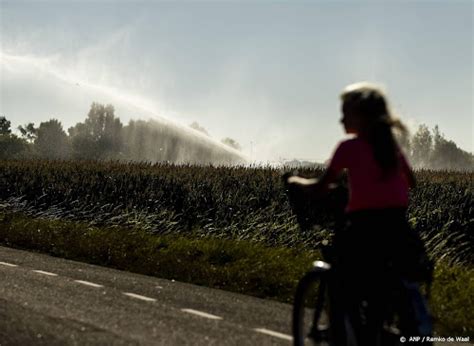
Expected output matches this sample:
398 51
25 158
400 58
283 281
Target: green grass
452 299
239 266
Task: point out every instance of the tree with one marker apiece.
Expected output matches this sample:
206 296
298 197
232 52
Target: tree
447 155
100 136
11 147
52 142
5 126
28 132
421 147
136 139
231 143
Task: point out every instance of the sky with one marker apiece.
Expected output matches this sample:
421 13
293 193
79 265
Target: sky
265 73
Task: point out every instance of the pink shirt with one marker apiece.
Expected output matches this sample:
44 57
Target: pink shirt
366 188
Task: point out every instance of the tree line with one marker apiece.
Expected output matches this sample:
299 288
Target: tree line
429 149
102 136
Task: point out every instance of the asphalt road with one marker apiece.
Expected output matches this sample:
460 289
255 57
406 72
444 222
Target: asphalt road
46 300
51 301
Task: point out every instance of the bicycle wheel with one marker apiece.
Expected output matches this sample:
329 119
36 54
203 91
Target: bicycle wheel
310 310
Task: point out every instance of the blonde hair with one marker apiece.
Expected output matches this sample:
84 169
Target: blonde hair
369 102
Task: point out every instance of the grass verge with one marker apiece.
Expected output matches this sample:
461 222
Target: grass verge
238 266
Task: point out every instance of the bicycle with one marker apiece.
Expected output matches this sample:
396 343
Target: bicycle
315 310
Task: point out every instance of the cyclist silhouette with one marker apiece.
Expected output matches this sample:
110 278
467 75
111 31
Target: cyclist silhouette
376 235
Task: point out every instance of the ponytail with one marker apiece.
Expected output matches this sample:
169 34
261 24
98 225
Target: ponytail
384 146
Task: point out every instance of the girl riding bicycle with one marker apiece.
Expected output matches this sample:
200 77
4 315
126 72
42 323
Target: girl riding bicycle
377 235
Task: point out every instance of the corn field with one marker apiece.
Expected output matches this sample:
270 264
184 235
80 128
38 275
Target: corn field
225 202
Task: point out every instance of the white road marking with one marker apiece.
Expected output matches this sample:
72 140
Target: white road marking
275 334
87 283
133 295
8 264
45 273
202 314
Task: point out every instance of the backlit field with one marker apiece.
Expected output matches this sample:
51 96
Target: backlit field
220 202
